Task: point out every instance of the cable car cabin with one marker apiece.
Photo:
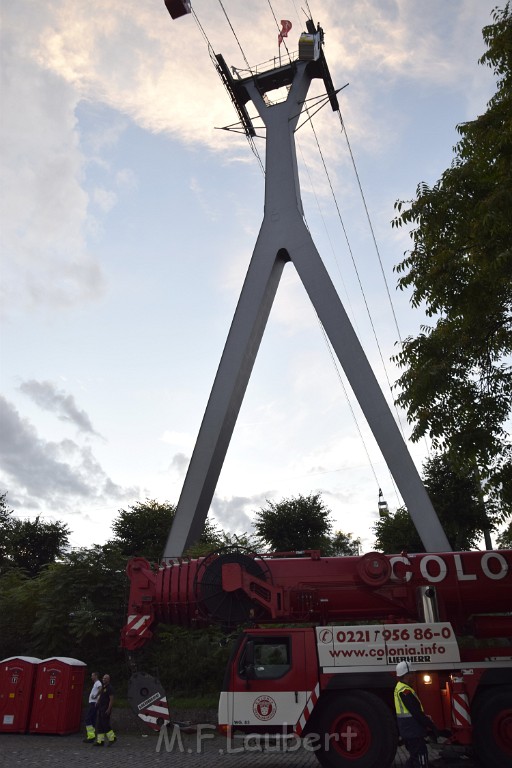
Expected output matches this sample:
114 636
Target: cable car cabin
178 8
309 46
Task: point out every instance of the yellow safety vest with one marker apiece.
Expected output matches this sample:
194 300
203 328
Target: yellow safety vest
400 708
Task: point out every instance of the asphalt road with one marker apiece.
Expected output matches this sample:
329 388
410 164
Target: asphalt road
203 750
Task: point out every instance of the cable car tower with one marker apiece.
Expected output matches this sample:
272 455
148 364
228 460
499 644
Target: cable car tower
283 238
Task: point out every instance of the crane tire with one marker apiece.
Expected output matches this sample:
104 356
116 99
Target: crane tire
357 730
492 723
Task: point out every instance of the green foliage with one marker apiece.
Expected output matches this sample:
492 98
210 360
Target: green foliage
29 544
189 661
143 528
34 544
19 599
77 606
211 539
396 533
81 607
457 379
297 523
342 544
504 540
5 522
457 499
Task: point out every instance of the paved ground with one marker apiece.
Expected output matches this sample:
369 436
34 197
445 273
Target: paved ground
204 750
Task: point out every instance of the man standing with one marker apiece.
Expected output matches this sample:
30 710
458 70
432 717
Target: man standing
105 704
90 718
413 723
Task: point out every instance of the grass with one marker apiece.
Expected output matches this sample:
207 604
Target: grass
210 701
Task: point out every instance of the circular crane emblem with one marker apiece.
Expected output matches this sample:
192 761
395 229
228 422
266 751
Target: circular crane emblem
264 707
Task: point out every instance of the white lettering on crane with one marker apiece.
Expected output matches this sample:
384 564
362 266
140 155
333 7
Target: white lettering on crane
502 563
434 568
405 561
460 570
424 569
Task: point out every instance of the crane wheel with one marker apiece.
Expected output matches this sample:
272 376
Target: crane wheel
357 730
492 724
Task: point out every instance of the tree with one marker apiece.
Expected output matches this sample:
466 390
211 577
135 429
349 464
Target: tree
504 540
457 379
29 544
396 533
19 597
457 499
190 662
297 523
5 525
143 528
35 543
80 607
342 544
5 512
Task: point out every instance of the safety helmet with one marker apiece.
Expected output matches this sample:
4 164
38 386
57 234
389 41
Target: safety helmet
403 668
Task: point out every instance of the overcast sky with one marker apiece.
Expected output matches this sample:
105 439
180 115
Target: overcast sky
128 222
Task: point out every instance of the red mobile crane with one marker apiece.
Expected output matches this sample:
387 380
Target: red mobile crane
448 614
328 676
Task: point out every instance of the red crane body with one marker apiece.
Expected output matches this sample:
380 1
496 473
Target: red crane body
331 673
464 588
352 619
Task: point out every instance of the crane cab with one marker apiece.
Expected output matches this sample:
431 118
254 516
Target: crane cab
178 8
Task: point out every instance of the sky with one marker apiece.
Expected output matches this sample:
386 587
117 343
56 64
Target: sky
128 220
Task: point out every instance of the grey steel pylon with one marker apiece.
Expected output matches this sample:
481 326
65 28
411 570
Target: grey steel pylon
284 237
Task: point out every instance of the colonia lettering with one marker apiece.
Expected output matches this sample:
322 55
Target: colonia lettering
437 568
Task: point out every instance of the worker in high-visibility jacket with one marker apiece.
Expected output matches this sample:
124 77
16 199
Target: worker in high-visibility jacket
413 723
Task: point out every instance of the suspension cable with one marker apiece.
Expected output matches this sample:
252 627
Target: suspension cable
279 31
356 271
324 334
211 51
235 36
340 379
363 198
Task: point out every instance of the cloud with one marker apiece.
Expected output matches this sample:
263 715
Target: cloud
180 463
183 440
232 514
59 475
44 207
132 59
49 398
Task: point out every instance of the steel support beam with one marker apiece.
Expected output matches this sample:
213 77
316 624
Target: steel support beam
284 237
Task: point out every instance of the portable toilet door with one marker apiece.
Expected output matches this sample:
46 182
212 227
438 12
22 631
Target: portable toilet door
17 677
57 705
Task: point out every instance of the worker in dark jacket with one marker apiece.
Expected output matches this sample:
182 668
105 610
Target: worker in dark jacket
105 704
413 723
